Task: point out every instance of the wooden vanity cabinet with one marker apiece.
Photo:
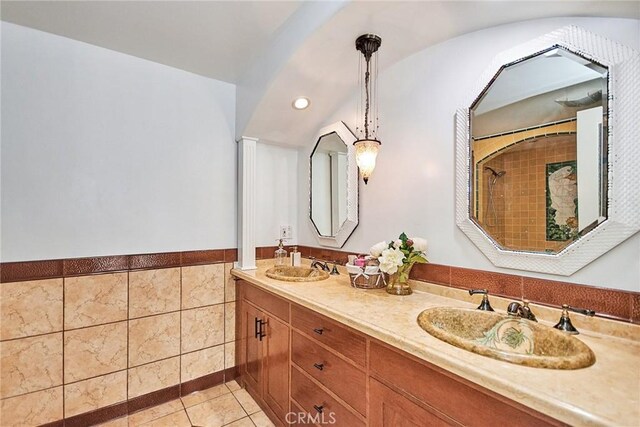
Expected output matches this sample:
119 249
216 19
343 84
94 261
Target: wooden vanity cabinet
309 364
264 348
418 390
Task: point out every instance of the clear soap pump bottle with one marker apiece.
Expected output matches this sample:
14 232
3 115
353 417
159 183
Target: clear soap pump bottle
280 254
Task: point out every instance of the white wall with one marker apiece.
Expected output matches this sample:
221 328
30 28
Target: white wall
104 153
412 188
276 193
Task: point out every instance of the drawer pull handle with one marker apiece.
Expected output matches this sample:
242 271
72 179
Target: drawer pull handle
319 366
318 408
255 327
318 331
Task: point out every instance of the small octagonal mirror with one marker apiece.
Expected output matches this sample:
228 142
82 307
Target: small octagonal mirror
333 192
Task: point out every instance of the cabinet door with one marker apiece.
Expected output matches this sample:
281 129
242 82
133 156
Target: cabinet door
391 409
276 366
252 348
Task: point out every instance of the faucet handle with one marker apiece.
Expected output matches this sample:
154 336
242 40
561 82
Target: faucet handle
584 311
484 305
335 269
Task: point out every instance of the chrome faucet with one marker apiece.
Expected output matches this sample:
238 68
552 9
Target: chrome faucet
319 264
521 310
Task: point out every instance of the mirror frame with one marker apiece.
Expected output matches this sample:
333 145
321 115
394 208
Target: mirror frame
623 130
352 220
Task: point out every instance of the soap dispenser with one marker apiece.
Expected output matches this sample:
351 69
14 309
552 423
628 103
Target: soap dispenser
295 257
280 254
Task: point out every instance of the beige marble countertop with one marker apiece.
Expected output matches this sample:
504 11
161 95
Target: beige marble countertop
607 393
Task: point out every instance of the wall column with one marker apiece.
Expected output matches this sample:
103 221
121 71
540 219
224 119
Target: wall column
247 203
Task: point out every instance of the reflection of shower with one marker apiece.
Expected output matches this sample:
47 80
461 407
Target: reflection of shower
491 214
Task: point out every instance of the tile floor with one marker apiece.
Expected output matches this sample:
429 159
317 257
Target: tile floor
222 405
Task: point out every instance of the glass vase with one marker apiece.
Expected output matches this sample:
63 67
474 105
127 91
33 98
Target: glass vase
399 281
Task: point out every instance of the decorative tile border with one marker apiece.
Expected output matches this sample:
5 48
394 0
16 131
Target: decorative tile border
49 269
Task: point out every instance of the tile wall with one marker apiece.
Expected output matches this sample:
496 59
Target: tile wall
72 345
516 218
525 207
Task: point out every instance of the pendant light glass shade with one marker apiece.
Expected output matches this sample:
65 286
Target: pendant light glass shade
367 145
366 153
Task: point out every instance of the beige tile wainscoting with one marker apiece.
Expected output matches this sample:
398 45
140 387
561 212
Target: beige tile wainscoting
75 345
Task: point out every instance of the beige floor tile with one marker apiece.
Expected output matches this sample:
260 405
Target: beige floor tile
216 412
260 419
242 422
248 404
155 412
233 385
177 419
204 395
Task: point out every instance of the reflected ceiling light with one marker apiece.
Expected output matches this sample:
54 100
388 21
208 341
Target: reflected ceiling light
301 102
367 145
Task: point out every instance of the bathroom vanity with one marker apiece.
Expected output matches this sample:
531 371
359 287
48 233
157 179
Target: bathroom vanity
359 357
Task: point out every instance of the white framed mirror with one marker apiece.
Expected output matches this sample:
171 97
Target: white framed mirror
546 163
333 185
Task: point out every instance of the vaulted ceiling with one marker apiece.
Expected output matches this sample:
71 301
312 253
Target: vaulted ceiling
277 50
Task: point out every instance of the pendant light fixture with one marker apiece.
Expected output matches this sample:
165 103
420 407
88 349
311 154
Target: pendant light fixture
367 145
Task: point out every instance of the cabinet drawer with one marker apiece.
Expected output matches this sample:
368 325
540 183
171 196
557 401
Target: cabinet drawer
265 301
465 402
390 408
339 376
350 344
310 396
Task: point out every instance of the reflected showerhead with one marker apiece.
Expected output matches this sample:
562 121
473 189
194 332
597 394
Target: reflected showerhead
494 173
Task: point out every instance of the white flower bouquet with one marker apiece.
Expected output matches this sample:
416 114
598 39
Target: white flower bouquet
396 259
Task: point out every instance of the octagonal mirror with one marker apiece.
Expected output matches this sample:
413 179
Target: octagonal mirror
546 158
333 189
538 152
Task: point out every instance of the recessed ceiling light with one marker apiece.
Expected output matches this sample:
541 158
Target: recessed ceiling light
301 102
